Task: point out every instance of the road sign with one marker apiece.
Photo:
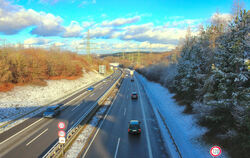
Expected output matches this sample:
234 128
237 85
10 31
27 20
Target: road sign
215 151
61 133
61 140
61 125
102 69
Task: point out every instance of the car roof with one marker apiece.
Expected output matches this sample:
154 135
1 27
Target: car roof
52 107
134 122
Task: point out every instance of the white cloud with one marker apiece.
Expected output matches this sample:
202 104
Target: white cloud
58 44
86 2
101 32
73 30
87 24
153 34
36 41
224 18
14 18
121 21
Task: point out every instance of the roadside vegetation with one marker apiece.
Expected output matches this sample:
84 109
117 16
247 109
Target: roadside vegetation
19 66
139 59
211 78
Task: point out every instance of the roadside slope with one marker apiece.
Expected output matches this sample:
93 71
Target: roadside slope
183 128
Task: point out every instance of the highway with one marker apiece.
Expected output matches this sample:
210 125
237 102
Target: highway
112 139
35 136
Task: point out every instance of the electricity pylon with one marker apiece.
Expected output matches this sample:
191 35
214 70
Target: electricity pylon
88 47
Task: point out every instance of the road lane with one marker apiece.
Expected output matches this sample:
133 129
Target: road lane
115 127
18 145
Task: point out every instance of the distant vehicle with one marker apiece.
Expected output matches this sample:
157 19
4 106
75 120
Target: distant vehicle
52 111
132 79
134 95
134 127
90 88
132 72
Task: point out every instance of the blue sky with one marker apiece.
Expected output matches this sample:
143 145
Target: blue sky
127 24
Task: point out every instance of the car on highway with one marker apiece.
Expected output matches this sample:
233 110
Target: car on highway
134 127
134 95
90 88
132 80
52 111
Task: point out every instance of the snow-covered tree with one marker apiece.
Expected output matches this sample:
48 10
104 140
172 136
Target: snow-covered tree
228 89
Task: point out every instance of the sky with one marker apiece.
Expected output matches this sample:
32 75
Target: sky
114 25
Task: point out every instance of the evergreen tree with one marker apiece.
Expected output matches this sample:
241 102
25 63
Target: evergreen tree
229 83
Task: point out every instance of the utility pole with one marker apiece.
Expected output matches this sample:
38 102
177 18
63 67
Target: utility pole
138 57
123 55
88 47
151 52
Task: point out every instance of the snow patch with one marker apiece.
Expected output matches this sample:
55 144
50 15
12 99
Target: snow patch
24 99
183 127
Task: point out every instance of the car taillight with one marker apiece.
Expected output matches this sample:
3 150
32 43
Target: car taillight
128 130
140 130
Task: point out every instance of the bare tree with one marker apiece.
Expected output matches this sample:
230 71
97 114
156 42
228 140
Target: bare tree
237 6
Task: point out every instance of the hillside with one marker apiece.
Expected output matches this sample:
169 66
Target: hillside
19 66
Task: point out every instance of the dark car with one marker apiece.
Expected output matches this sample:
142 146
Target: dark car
51 111
134 127
132 80
134 95
90 88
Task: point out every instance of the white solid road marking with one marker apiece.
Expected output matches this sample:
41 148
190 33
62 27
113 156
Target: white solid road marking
124 111
21 131
76 107
101 125
36 137
145 122
92 94
42 118
117 147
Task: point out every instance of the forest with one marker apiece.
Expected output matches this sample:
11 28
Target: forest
211 79
19 66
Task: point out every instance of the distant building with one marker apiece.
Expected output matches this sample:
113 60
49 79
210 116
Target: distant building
114 64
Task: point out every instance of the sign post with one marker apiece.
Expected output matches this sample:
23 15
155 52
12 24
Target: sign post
61 134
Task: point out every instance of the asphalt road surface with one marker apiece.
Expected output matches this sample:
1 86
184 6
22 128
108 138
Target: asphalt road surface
112 139
35 136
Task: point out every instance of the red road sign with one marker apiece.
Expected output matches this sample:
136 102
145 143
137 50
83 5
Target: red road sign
215 151
61 125
61 133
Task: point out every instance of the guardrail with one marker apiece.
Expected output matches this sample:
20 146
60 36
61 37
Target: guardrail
58 149
57 101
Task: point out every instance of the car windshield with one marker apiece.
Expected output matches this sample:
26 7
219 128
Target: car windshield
133 126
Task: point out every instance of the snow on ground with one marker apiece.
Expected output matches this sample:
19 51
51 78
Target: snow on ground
78 144
183 127
24 99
